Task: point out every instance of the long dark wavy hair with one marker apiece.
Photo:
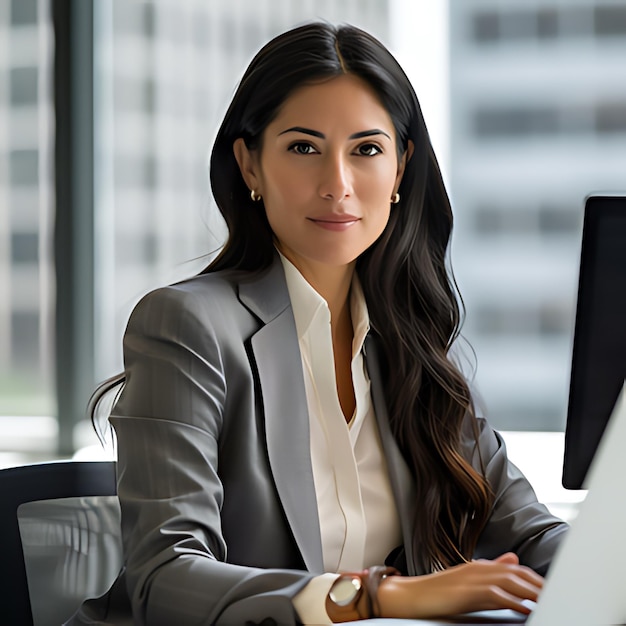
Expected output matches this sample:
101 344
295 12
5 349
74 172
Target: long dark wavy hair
413 303
412 300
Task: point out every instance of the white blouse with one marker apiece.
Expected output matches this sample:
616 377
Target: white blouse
359 521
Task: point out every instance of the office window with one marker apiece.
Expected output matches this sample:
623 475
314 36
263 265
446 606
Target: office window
559 220
518 24
610 21
137 251
24 12
555 319
506 24
148 17
546 317
25 342
486 26
496 221
515 121
610 118
576 23
25 247
547 23
135 94
23 85
530 219
501 320
24 167
563 119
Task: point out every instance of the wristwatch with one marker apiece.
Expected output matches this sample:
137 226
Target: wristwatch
342 602
354 595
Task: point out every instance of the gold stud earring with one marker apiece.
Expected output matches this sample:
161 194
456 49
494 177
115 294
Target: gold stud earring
255 197
395 198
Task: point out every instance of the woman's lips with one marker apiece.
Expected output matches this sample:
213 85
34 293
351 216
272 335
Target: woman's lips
335 222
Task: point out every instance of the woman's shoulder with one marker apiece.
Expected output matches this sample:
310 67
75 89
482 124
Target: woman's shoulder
211 296
209 287
480 442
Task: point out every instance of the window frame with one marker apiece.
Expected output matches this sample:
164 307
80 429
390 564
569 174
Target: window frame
74 239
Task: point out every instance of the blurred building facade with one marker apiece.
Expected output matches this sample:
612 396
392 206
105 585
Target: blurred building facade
538 122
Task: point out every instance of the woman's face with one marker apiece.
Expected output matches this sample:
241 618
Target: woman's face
327 170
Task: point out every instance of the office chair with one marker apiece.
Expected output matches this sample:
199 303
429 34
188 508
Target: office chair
61 539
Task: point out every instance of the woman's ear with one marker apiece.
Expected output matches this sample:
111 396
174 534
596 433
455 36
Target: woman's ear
247 161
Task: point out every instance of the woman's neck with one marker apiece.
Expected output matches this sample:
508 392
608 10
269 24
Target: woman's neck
331 282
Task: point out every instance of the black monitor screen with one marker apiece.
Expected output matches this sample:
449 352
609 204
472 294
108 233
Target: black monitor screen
599 346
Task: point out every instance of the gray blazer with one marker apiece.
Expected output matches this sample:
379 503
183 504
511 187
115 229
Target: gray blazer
219 514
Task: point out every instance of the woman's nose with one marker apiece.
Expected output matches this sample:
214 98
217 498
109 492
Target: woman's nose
336 179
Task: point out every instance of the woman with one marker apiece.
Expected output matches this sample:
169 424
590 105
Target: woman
293 413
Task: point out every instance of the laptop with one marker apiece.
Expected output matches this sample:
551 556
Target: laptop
586 584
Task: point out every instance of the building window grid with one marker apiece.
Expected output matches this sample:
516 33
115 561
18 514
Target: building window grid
605 118
489 220
544 24
520 313
549 317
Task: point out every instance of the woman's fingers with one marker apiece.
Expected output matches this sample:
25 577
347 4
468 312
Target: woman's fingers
515 579
516 570
497 598
520 585
507 557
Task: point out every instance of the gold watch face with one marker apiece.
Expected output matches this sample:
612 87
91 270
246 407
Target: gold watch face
345 590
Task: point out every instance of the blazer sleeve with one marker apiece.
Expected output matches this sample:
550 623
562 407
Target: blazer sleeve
168 422
518 522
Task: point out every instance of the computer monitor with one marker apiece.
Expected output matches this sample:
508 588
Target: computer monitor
599 346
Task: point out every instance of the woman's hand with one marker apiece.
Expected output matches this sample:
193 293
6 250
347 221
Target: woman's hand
479 585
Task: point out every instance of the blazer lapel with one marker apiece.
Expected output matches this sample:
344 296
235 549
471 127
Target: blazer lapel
399 475
277 355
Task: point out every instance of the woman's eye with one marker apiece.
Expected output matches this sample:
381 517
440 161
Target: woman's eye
369 149
302 148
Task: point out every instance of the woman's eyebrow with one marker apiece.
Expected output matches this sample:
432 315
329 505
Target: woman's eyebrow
306 131
316 133
369 133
